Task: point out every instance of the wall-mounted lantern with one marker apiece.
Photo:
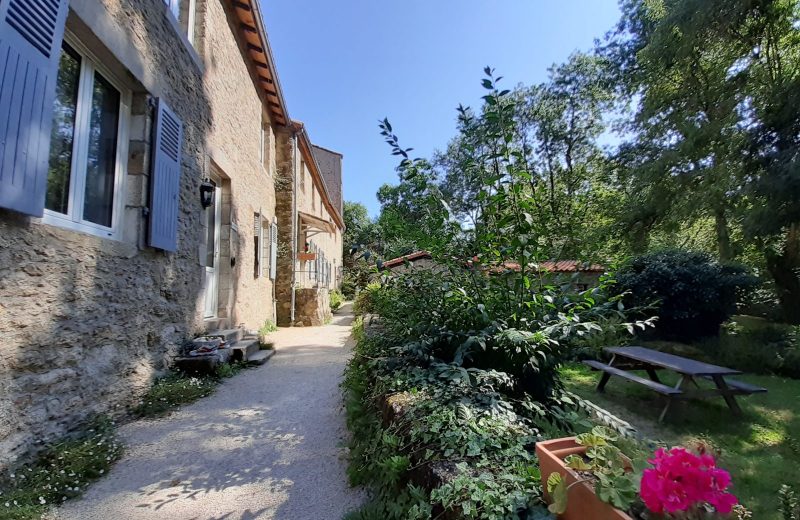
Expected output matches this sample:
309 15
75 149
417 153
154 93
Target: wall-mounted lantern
207 189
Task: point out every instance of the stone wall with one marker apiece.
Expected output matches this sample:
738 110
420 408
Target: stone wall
285 150
86 322
313 307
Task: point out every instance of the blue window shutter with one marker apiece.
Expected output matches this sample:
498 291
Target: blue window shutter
165 179
273 252
30 46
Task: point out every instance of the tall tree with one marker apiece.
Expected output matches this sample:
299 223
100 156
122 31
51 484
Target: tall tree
716 83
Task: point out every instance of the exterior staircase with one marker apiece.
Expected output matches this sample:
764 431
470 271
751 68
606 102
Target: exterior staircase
239 346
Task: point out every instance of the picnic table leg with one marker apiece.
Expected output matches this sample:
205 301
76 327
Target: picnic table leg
669 399
601 386
652 374
725 392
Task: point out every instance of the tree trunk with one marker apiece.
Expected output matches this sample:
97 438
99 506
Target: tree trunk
785 270
723 235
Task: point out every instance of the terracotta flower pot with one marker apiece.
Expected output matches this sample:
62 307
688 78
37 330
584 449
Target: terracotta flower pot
582 503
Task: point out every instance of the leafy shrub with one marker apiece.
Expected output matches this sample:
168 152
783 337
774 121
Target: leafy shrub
267 327
364 302
61 472
337 299
756 345
691 294
447 417
789 503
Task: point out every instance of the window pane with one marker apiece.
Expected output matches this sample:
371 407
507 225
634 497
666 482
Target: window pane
102 157
63 133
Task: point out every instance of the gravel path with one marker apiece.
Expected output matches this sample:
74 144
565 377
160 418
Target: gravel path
267 444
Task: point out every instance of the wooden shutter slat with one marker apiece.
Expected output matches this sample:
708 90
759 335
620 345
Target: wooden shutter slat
273 253
31 32
165 179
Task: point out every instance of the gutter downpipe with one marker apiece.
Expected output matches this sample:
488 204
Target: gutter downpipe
294 222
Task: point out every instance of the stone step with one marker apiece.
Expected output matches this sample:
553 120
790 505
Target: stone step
260 357
203 364
229 335
244 349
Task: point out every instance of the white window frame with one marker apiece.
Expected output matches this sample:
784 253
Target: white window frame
174 7
190 21
74 219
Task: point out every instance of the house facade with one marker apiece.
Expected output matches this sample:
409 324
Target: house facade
314 227
143 148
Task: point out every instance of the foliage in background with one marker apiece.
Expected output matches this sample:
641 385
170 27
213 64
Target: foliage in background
336 299
268 327
690 292
365 299
60 473
712 129
757 346
702 102
358 273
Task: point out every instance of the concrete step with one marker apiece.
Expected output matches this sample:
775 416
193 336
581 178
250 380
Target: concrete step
260 357
244 349
229 335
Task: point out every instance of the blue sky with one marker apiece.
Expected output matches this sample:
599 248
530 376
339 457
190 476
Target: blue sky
344 65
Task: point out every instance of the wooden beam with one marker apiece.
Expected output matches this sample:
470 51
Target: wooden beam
243 6
249 28
255 48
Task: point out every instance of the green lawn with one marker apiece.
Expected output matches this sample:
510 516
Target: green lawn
761 449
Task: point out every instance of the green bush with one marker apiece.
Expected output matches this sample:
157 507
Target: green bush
759 346
336 299
365 300
267 327
444 418
691 294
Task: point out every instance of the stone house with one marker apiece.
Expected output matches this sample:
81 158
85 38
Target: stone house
315 263
143 145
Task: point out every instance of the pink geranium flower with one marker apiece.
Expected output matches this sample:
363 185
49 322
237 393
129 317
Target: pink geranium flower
681 480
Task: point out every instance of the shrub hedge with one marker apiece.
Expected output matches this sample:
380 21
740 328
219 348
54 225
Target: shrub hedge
690 292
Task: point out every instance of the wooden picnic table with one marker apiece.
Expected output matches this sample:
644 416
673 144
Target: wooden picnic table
626 359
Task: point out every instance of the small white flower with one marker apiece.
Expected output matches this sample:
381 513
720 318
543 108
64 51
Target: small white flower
12 475
8 504
102 471
42 500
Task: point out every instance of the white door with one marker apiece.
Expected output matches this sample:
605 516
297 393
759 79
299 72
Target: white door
213 221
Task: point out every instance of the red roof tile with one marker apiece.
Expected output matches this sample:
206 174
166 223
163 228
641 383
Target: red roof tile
561 266
418 255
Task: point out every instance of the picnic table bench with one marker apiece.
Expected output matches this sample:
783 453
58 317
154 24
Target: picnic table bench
626 359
